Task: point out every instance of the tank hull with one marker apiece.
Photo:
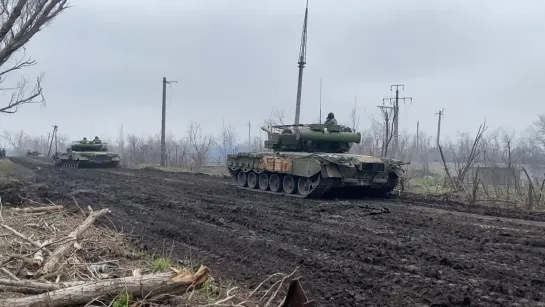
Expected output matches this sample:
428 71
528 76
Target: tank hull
314 175
87 160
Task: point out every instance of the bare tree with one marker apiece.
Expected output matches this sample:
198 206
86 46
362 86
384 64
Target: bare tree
16 140
538 130
464 153
20 21
385 129
199 146
182 153
120 147
276 117
227 142
354 118
257 145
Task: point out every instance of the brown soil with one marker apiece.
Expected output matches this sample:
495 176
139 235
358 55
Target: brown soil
350 252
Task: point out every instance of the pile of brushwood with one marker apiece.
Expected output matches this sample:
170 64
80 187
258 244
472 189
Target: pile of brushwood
49 257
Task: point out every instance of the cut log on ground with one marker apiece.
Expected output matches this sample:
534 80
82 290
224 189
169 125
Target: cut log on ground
173 282
37 209
53 260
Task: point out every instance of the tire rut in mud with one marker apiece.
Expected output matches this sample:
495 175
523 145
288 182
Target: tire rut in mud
351 253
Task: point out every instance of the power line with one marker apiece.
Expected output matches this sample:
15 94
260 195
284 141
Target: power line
395 102
386 116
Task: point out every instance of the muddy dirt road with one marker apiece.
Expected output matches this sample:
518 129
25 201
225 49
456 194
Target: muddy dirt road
351 253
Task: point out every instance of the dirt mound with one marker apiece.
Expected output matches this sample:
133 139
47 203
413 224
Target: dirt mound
351 253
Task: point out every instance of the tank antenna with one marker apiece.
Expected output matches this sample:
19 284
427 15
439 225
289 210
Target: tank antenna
320 118
302 62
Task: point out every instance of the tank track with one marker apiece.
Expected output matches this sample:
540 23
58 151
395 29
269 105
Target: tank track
82 164
325 185
318 191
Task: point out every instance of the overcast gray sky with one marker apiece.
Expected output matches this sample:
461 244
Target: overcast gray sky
234 60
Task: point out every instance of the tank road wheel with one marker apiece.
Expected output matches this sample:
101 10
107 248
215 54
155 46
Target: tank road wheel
252 180
306 185
275 183
263 181
288 184
242 179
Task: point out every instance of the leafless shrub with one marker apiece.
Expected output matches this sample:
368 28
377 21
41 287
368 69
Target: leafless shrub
199 145
227 142
465 153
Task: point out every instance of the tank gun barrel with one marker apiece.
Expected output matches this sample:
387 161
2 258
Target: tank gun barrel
344 137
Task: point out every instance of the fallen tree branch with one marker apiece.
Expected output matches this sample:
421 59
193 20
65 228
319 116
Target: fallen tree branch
30 284
52 261
8 273
37 209
175 281
20 235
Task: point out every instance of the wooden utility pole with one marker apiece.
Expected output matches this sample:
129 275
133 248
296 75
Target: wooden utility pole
386 115
395 102
441 114
249 138
53 136
417 133
163 119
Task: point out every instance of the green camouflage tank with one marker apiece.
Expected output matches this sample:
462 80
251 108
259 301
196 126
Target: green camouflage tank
87 154
312 160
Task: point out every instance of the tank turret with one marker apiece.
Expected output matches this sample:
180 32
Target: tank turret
88 146
311 138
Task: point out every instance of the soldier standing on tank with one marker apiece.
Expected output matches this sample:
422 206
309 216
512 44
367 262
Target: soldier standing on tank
330 120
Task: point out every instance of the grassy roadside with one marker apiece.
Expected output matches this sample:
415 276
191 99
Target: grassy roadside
7 171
